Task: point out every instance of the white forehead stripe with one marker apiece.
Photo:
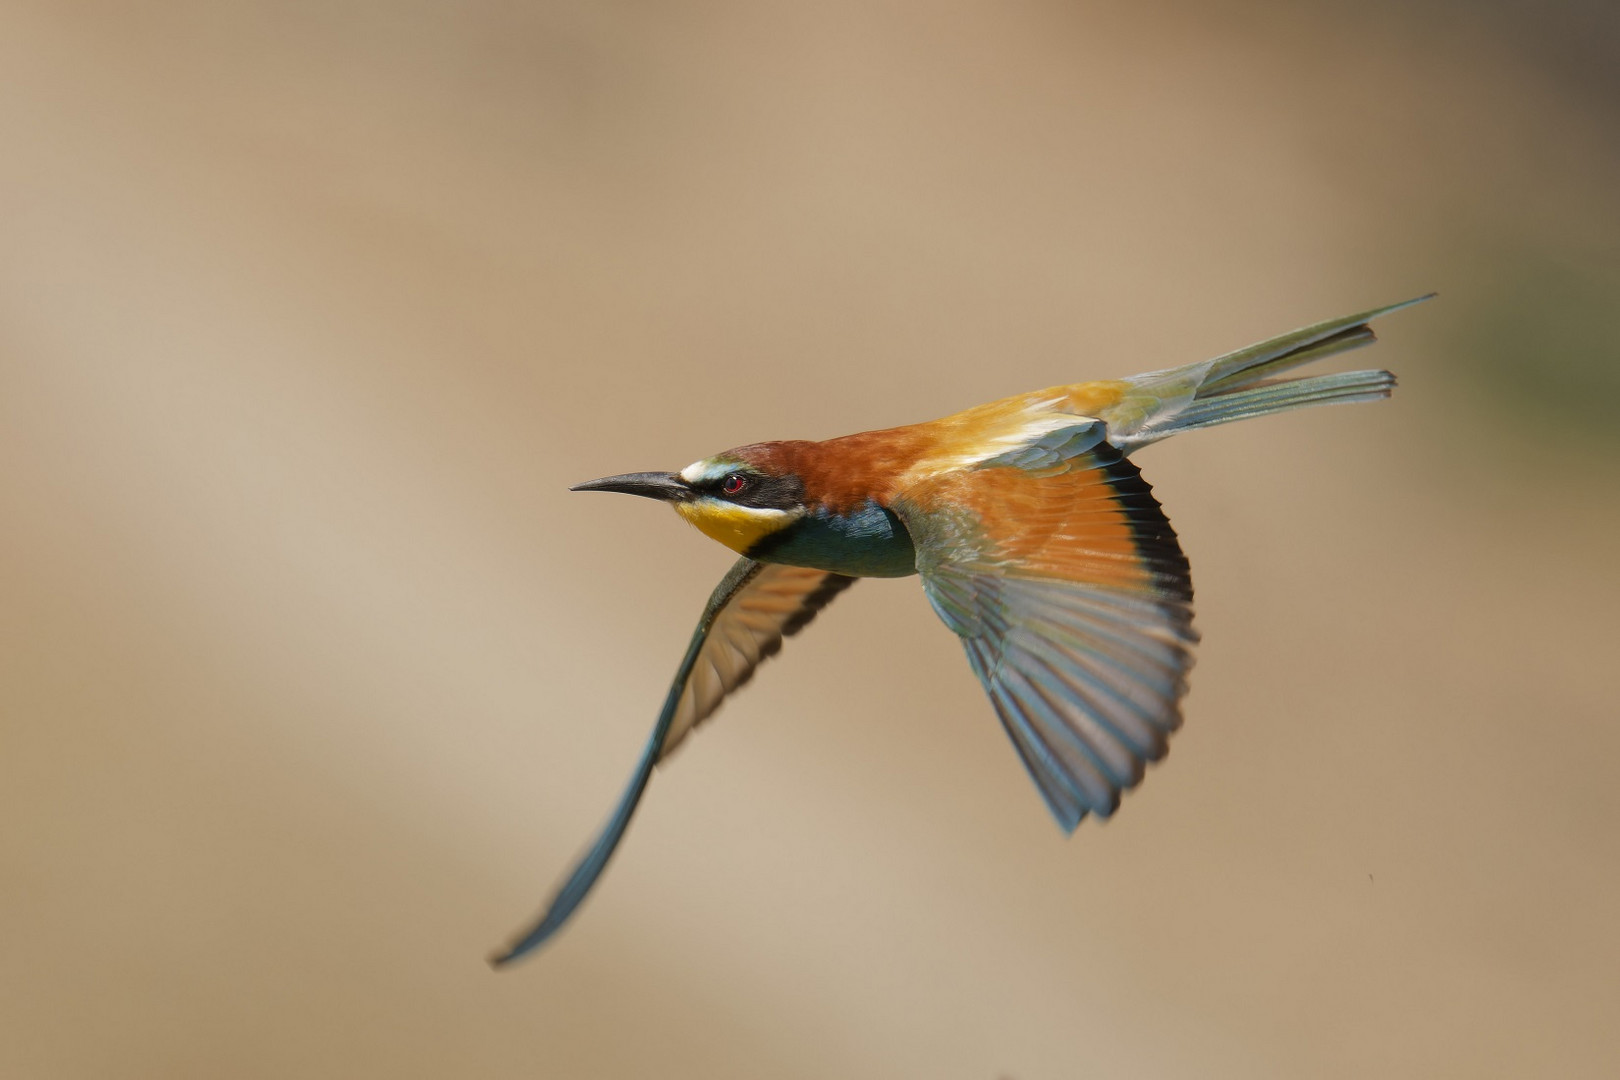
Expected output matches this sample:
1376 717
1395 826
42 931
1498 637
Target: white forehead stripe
705 470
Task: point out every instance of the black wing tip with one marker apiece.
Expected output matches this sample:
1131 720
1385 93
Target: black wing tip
557 914
501 959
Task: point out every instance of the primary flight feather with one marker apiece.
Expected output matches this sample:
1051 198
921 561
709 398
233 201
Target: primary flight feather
1038 543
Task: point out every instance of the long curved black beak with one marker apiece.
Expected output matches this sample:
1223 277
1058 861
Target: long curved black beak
649 485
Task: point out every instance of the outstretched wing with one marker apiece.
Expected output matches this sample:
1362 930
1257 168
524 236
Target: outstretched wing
754 607
1061 574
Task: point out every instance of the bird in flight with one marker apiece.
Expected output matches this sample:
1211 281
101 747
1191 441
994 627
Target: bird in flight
1037 541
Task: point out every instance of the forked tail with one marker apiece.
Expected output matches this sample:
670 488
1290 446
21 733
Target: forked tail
1244 383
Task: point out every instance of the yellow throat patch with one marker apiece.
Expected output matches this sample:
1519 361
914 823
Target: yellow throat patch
737 527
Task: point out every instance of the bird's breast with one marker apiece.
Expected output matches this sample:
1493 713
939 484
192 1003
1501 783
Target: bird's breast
869 541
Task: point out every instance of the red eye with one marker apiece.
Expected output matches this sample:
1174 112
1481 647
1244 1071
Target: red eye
732 484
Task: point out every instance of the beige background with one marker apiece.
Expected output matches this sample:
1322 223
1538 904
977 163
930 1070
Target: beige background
315 677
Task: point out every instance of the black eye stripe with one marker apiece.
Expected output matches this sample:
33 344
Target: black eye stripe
755 490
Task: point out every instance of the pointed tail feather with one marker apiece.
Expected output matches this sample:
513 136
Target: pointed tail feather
1248 366
1244 383
1342 389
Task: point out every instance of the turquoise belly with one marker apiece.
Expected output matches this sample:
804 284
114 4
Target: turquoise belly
871 542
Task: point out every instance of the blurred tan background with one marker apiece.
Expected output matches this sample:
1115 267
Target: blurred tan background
315 677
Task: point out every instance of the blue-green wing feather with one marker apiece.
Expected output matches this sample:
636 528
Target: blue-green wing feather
1086 683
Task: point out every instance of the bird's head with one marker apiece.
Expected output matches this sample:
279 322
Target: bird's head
739 497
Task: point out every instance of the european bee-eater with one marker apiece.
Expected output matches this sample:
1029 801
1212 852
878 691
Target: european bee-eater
1038 543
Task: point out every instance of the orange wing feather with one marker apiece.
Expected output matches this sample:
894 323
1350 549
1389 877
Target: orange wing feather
1073 601
1072 526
